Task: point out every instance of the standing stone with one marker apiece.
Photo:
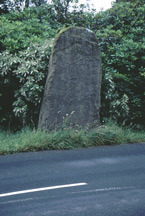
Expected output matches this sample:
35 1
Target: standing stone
74 81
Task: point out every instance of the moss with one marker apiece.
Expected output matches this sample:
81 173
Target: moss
60 32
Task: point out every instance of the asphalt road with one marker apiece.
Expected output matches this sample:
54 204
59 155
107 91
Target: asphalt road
102 181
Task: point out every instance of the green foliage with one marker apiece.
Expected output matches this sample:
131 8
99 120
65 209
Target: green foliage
19 30
22 81
3 7
120 1
25 40
38 3
120 32
61 8
8 5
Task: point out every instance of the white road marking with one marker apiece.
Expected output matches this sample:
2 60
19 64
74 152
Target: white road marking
105 189
78 192
42 189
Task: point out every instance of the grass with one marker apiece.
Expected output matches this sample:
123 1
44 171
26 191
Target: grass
35 140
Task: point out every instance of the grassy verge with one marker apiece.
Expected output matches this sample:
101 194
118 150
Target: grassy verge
35 140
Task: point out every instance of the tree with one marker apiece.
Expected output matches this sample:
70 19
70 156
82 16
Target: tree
62 8
120 31
131 1
27 3
3 7
23 64
38 3
8 5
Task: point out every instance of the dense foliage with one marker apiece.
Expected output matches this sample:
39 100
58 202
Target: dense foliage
25 44
25 49
121 33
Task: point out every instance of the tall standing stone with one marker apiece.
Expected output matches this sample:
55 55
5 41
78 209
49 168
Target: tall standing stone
74 81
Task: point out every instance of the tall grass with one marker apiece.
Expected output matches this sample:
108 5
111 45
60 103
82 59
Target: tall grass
36 140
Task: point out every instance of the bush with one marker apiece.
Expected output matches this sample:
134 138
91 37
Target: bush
22 82
26 40
120 31
20 29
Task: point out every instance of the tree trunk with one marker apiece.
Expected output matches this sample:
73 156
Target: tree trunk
27 3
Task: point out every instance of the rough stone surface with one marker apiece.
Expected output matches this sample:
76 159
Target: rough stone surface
73 82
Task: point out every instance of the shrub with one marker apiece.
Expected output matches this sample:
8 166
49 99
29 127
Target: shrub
22 82
120 31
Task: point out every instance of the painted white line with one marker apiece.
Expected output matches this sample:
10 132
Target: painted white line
78 192
105 189
42 189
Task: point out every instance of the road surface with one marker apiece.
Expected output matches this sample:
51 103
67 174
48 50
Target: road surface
101 181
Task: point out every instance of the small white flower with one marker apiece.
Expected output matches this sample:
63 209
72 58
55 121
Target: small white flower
72 112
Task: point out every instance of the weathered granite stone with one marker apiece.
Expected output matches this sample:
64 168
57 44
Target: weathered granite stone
73 82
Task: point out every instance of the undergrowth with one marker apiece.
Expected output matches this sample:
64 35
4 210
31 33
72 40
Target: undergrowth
28 140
